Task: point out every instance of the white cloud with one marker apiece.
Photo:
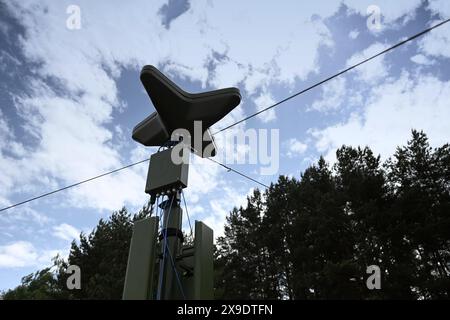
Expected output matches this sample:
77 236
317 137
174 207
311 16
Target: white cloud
10 166
75 141
353 34
66 232
221 207
390 10
333 94
374 70
74 145
263 101
421 59
23 215
228 73
248 37
295 148
441 7
437 42
24 254
17 254
202 178
394 109
257 79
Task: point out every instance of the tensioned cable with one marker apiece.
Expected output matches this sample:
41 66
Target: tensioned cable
165 247
187 213
160 276
167 250
239 173
72 185
111 172
248 117
180 286
230 169
417 35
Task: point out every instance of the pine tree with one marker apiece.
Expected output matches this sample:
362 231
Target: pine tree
419 183
239 255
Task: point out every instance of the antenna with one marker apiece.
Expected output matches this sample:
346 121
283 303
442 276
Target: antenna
177 109
185 270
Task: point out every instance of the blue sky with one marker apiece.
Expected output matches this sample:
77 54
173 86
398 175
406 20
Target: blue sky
70 98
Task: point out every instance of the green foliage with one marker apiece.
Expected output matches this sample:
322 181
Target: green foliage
41 285
102 257
313 238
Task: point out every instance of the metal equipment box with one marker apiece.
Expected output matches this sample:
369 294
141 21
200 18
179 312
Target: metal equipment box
164 175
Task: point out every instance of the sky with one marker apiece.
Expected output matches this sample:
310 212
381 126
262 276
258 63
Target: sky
70 96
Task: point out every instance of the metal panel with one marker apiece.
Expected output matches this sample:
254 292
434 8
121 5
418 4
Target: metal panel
141 260
151 131
203 262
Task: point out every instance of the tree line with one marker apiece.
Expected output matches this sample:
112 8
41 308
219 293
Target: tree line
311 237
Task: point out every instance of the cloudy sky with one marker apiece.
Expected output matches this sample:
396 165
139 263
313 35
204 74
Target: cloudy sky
69 98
